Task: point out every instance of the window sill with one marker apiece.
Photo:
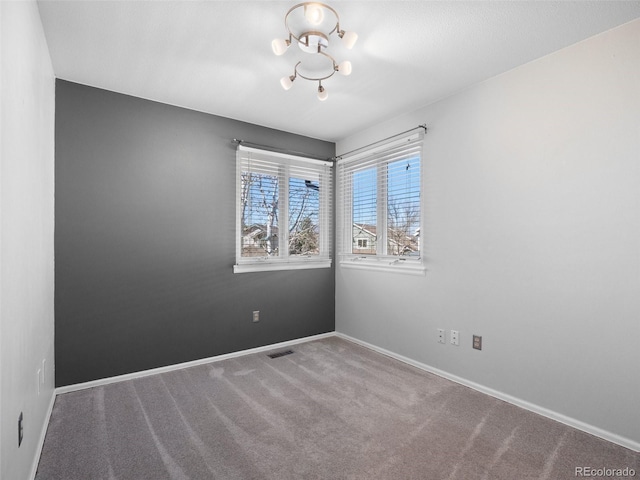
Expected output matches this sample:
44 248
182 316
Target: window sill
276 266
405 267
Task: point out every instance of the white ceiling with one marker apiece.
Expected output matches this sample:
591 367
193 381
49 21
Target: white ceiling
215 56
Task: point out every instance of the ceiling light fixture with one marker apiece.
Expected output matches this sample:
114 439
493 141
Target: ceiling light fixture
311 24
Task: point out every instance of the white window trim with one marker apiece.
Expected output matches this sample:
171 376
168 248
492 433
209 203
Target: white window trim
286 262
378 262
272 266
387 264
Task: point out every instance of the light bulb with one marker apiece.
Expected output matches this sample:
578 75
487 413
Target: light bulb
322 94
279 46
287 81
349 39
314 14
344 68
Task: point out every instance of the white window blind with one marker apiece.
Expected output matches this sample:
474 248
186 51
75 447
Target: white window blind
284 205
380 205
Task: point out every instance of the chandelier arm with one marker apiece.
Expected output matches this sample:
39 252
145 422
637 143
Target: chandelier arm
295 69
318 79
337 27
333 60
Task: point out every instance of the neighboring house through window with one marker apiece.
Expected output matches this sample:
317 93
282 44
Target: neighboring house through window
283 211
364 239
380 206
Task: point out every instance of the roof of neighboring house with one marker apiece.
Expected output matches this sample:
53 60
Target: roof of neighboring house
370 229
254 230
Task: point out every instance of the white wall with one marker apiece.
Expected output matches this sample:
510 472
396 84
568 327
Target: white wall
26 253
532 234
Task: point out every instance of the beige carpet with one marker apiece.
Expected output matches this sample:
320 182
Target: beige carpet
330 410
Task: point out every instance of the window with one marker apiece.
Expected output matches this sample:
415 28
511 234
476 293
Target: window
283 211
381 206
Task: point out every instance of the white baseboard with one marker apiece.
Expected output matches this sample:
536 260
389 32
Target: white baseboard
178 366
545 412
43 434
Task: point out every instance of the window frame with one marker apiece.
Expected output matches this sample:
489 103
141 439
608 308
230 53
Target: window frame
288 167
376 157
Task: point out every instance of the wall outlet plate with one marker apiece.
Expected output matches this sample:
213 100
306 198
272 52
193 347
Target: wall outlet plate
441 336
256 316
455 337
477 342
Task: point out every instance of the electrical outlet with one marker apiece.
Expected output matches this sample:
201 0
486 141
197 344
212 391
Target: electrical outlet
20 429
441 336
38 380
455 337
256 316
477 342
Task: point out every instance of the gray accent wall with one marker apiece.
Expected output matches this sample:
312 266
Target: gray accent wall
145 240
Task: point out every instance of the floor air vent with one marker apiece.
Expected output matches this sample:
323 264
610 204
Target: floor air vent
280 354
